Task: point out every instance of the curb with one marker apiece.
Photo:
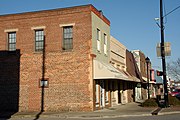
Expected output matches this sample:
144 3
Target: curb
108 116
168 113
156 111
82 117
90 116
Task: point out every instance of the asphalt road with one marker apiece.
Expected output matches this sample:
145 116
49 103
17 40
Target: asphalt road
157 117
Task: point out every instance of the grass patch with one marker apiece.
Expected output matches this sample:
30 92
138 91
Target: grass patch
173 101
150 103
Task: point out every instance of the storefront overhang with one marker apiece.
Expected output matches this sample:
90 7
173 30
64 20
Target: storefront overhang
144 78
107 71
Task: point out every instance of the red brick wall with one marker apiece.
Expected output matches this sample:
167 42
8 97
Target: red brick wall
143 65
130 93
69 73
144 93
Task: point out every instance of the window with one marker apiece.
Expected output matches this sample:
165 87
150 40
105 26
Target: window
98 40
39 40
105 44
12 41
67 38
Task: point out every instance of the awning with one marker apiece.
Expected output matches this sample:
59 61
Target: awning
107 71
144 78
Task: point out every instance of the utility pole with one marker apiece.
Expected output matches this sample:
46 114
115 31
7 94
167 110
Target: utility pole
163 55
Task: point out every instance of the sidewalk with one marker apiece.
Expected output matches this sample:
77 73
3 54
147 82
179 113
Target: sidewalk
130 109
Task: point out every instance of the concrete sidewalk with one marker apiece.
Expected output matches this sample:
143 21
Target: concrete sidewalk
130 109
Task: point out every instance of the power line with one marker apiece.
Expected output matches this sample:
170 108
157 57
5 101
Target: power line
171 11
165 16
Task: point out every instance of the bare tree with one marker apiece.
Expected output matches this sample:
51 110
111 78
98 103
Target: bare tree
174 69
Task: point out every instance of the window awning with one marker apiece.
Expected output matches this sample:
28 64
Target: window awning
106 71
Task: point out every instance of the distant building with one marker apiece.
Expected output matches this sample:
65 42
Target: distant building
158 85
120 85
141 63
132 69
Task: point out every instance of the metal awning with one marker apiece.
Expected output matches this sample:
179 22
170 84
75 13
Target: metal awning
107 71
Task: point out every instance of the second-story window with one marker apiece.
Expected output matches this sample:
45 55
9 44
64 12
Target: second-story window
105 44
67 38
98 40
12 41
39 40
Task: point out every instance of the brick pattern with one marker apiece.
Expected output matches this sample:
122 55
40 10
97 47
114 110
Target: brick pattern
142 64
69 72
68 77
130 95
144 93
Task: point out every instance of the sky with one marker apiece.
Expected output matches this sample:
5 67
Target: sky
132 21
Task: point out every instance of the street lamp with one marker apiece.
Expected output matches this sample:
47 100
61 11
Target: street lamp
147 63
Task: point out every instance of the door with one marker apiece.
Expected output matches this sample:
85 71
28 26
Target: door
119 93
102 94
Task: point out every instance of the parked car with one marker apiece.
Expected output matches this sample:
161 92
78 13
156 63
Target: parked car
175 92
178 95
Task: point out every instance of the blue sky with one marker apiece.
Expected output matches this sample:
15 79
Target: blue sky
132 21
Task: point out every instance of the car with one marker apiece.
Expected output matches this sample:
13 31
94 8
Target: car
175 92
178 95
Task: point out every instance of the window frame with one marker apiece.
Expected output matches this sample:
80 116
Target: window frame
105 43
13 39
41 40
98 35
67 42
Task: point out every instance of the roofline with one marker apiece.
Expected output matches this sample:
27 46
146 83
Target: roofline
91 7
98 13
139 52
113 38
47 10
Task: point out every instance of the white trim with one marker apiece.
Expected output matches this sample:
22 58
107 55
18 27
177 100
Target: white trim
11 30
65 25
38 27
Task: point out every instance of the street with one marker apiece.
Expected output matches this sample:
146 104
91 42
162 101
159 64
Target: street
158 117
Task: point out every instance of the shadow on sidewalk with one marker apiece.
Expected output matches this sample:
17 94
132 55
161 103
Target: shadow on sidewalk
38 115
6 115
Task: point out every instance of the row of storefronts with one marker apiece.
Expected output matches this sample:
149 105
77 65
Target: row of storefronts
119 80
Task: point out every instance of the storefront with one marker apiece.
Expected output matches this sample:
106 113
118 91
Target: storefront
110 87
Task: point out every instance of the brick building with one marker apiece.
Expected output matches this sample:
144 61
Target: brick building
132 69
52 55
142 65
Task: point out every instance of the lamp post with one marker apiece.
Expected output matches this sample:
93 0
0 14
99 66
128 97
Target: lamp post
147 63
